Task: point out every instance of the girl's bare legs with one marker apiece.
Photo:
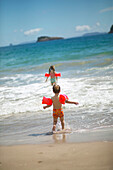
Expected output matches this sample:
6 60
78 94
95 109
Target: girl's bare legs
62 122
52 84
54 124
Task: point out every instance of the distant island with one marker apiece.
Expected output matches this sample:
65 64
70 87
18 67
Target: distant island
111 30
98 33
93 33
46 38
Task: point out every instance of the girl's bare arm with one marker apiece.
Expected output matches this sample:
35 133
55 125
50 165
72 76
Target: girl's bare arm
46 79
70 102
47 106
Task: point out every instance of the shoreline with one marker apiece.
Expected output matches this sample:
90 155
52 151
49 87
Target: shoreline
65 156
81 136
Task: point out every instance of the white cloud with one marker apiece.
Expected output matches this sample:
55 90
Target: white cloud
106 9
83 28
98 24
32 31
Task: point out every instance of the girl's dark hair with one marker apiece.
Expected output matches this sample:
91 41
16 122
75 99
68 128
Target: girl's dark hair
51 68
56 89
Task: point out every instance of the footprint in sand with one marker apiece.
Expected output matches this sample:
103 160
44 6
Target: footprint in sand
40 153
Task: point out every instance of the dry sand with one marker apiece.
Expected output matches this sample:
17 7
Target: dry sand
75 156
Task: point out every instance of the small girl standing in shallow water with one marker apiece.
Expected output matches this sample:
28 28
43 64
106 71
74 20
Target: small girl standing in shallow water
57 106
52 75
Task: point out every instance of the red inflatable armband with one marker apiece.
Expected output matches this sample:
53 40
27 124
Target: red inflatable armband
63 98
47 101
57 74
47 75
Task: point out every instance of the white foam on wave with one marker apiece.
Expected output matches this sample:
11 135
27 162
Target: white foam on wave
21 79
25 92
20 98
87 91
97 129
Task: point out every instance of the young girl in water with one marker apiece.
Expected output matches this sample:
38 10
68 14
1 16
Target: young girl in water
57 107
52 73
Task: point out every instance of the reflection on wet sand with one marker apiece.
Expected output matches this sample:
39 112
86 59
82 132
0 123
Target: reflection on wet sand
59 138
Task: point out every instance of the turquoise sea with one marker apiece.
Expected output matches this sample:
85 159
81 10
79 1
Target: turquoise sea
86 67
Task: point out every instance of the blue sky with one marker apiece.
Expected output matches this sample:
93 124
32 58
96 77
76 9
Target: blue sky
25 20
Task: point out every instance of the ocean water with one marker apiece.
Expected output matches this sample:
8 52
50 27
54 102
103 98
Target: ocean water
86 67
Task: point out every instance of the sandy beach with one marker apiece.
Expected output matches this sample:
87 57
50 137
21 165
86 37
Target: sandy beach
63 156
69 43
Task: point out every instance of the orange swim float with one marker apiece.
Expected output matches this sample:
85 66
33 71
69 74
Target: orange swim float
47 101
56 75
62 99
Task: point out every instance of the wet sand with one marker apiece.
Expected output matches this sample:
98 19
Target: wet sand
60 156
